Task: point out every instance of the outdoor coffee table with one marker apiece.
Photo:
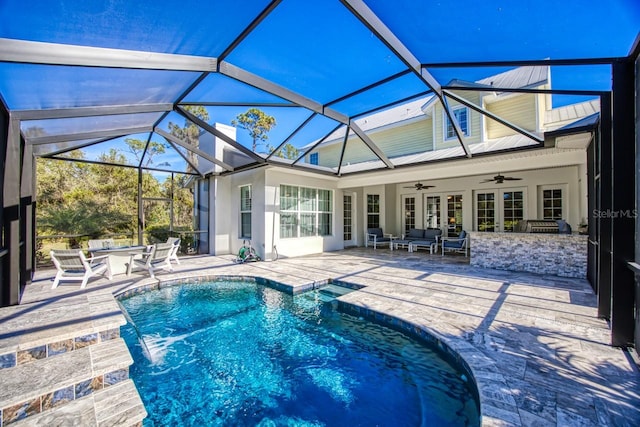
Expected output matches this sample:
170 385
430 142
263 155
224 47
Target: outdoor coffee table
118 256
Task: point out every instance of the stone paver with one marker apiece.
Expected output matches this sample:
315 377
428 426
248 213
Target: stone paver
539 354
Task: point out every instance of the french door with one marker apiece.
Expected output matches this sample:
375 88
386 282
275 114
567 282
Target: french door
349 220
444 212
499 210
408 213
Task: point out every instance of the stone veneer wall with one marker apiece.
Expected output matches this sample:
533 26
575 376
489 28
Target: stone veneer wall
558 254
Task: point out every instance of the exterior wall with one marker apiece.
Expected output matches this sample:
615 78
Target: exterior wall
415 137
220 223
474 118
519 110
412 137
225 210
568 178
392 220
558 254
269 213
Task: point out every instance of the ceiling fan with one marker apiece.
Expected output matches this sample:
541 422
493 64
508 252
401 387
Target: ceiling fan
499 179
419 186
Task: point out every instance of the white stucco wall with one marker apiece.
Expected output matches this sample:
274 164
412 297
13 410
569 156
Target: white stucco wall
533 181
287 247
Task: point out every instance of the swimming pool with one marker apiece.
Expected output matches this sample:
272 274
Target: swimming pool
240 353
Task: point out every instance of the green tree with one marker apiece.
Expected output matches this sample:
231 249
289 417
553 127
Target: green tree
257 123
288 151
82 218
137 148
189 131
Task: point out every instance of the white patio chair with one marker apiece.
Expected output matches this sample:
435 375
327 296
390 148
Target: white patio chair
158 256
101 243
73 265
175 241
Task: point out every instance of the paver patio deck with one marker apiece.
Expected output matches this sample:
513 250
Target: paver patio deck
538 351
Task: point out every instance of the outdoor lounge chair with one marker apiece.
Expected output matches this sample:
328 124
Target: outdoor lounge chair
73 265
157 256
175 241
456 244
376 237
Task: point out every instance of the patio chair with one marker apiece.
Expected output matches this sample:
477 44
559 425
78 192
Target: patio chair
175 241
456 244
101 243
157 256
376 237
73 265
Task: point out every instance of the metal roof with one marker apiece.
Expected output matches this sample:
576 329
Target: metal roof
85 77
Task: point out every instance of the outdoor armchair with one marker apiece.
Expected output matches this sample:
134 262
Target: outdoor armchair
376 237
175 241
157 256
456 244
73 265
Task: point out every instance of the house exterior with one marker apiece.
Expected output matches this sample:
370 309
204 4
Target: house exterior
523 139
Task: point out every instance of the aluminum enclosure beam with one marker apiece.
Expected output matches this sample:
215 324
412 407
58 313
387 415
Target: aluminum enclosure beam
456 126
206 126
288 138
371 21
258 82
110 110
190 147
88 135
372 145
186 159
23 51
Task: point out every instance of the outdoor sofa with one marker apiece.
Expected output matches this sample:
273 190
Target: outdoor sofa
420 238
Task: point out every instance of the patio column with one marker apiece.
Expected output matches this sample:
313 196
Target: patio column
10 251
623 204
603 204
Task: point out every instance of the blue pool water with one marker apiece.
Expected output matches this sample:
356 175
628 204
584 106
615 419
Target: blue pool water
230 353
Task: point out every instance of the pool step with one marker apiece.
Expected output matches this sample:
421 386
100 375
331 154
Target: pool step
46 388
118 405
335 291
64 363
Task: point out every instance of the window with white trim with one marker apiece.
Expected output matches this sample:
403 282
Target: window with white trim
373 210
245 211
462 116
313 158
552 203
305 211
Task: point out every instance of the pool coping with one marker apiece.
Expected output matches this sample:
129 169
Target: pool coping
497 405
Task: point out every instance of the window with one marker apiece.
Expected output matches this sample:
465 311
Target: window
552 203
513 209
432 216
305 212
348 220
245 211
454 215
409 214
461 114
313 158
373 210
